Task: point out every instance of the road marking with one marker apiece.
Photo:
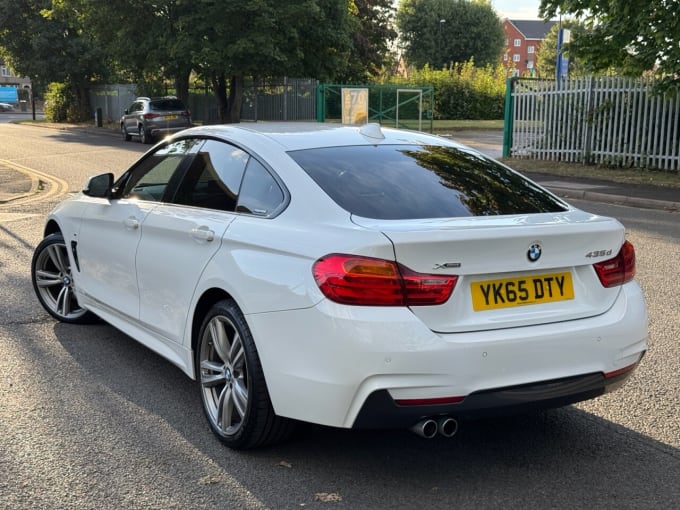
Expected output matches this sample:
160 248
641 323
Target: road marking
52 186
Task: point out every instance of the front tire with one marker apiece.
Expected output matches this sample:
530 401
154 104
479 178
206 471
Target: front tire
126 136
232 385
53 281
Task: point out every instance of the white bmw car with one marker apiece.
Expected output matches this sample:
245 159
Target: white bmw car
355 277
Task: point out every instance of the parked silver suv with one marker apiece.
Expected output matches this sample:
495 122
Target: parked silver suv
151 118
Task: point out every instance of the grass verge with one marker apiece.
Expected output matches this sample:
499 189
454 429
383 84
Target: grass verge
641 176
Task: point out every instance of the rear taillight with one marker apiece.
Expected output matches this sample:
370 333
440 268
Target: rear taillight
149 116
620 269
367 281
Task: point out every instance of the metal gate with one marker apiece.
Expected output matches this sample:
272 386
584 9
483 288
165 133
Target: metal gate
391 105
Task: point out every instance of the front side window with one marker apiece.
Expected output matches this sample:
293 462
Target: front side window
214 177
416 182
149 180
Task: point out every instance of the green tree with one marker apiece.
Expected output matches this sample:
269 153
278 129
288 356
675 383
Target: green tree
371 25
635 36
546 55
439 32
234 39
39 43
142 39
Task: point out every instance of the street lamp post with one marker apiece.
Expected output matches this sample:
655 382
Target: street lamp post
439 42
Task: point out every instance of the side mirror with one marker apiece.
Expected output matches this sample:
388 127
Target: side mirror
126 111
99 186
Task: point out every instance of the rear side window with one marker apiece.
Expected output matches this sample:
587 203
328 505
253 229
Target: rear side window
260 193
411 182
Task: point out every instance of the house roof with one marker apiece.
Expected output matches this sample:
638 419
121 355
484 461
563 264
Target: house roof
533 28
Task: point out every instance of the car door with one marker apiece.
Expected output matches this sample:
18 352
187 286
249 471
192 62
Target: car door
132 116
181 236
110 233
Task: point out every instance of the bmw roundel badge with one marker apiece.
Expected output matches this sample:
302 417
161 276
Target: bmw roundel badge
534 252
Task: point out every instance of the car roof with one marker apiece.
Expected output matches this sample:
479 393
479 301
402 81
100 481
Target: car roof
308 135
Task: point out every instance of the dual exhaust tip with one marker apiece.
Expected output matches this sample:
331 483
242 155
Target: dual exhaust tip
430 427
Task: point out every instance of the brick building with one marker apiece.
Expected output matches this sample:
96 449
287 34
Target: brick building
522 40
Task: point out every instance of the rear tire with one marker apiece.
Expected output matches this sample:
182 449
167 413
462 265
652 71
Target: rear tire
232 385
144 136
54 284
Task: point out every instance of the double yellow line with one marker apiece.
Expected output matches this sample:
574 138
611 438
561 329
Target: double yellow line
43 186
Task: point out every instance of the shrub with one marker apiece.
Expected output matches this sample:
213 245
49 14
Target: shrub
61 103
463 91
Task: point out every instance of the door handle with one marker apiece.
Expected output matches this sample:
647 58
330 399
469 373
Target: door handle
202 233
131 223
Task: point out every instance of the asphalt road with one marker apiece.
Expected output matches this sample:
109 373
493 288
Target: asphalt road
90 419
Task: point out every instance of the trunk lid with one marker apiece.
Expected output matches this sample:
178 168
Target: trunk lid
513 271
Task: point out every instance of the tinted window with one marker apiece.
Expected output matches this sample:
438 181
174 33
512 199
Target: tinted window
260 193
150 178
213 179
166 104
409 182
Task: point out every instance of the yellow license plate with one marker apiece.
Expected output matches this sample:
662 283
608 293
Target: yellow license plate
528 290
169 117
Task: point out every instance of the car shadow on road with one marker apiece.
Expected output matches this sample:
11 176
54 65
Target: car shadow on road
559 458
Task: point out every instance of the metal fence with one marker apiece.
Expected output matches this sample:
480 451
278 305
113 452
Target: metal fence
112 99
285 99
595 120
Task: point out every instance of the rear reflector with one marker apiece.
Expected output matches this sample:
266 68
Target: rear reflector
429 401
620 269
367 281
620 371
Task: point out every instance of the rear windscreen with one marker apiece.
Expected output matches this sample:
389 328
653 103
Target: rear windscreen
167 104
412 181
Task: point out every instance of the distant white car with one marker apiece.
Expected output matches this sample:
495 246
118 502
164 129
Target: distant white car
6 107
350 277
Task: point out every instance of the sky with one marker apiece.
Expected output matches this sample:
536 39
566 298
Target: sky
516 9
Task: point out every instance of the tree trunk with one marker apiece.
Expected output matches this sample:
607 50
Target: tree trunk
182 86
229 106
235 99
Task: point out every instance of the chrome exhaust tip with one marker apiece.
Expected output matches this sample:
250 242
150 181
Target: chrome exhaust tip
425 428
447 427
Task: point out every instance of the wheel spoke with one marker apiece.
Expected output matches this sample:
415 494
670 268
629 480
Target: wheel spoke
56 254
236 353
64 301
47 279
215 375
220 339
225 408
240 397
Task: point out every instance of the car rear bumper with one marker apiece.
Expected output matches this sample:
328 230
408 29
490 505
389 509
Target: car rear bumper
380 410
158 131
347 366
